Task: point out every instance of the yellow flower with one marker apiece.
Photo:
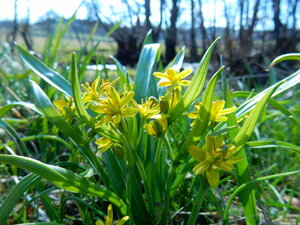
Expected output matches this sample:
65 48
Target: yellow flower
114 107
217 113
66 109
104 144
172 78
157 127
217 156
149 109
94 92
109 218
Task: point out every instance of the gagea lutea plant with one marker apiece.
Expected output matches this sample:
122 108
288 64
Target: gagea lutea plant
153 147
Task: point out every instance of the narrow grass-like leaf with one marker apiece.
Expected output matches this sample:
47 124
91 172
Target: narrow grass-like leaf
285 57
113 29
196 85
272 144
241 187
176 63
288 113
49 111
290 82
148 59
148 38
41 136
40 223
47 74
63 178
15 137
243 173
6 108
77 95
203 116
14 196
122 74
249 125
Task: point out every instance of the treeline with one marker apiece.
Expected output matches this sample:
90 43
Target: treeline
251 29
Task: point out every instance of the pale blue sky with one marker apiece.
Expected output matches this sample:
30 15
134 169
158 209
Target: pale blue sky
67 7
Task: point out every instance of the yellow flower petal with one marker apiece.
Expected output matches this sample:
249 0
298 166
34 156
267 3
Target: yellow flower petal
227 111
224 165
160 75
114 96
196 152
184 82
128 112
123 220
126 98
213 177
201 167
100 222
210 145
109 218
164 83
171 74
184 73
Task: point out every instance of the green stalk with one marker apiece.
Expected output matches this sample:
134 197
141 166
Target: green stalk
204 187
172 174
245 185
242 168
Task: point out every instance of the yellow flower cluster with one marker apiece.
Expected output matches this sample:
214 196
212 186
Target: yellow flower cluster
215 157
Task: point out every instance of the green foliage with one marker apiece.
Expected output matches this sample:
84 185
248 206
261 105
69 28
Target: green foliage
135 144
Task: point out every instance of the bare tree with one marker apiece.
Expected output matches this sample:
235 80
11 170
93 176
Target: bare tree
171 36
202 27
193 44
12 36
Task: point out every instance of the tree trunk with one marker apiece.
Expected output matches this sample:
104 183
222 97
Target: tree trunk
202 27
171 39
193 45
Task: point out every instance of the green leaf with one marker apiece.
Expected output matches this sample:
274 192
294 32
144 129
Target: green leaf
77 95
249 125
242 168
6 108
49 111
113 29
196 86
176 63
148 59
64 179
122 74
288 113
243 186
272 144
285 57
148 38
15 137
14 196
290 82
203 117
40 223
47 74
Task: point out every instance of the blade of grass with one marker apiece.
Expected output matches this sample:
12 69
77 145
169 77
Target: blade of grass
243 173
285 57
272 144
243 186
47 74
19 144
147 61
14 196
64 179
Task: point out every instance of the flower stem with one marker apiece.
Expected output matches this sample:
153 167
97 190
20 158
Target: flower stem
198 201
